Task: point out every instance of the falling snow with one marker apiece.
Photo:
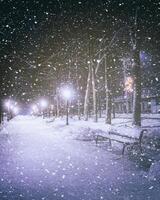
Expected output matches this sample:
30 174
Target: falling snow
105 54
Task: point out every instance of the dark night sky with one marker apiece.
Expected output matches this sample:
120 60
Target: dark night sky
37 38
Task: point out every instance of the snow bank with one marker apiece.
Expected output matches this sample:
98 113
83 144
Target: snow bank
46 152
154 172
86 130
43 158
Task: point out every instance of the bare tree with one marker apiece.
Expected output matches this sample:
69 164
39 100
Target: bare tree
78 89
108 94
92 76
94 94
86 100
137 89
57 104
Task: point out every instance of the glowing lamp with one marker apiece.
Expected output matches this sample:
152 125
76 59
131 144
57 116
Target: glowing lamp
15 110
67 93
43 103
35 108
8 104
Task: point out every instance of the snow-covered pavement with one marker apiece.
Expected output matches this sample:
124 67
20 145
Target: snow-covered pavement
43 161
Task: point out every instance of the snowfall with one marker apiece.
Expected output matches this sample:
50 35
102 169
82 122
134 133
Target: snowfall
43 159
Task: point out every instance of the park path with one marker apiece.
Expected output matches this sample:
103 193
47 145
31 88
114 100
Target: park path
40 161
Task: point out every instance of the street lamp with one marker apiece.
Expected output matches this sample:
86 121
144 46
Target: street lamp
43 105
67 94
34 109
8 106
15 110
12 108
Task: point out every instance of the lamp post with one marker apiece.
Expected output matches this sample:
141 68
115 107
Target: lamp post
12 109
34 109
8 106
67 112
43 106
67 94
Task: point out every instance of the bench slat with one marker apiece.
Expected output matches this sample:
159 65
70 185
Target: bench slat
123 139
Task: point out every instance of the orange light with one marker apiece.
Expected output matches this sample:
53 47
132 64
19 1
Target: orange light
128 84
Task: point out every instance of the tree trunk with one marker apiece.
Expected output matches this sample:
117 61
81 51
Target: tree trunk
86 100
79 110
113 109
78 89
57 106
137 89
94 95
1 111
99 106
127 103
136 75
108 95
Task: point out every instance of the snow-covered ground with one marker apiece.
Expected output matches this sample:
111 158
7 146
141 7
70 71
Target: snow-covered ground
45 160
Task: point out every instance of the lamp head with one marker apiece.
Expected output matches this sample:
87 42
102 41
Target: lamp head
15 110
67 93
43 103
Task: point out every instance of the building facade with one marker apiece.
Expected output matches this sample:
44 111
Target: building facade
150 102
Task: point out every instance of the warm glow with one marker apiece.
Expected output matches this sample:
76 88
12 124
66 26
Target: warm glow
129 84
8 104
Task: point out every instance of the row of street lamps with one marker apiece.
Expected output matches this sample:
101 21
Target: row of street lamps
39 107
67 94
42 105
12 108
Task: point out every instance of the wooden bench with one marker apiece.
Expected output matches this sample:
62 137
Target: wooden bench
123 139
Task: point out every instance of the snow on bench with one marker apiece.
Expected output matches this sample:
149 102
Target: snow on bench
124 139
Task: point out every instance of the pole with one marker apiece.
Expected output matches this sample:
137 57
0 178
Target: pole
0 112
43 114
8 114
67 114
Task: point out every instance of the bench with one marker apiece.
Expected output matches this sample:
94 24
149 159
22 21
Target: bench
123 139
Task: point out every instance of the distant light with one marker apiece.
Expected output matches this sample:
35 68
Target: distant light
52 106
43 103
129 84
34 108
8 104
15 110
98 61
11 107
